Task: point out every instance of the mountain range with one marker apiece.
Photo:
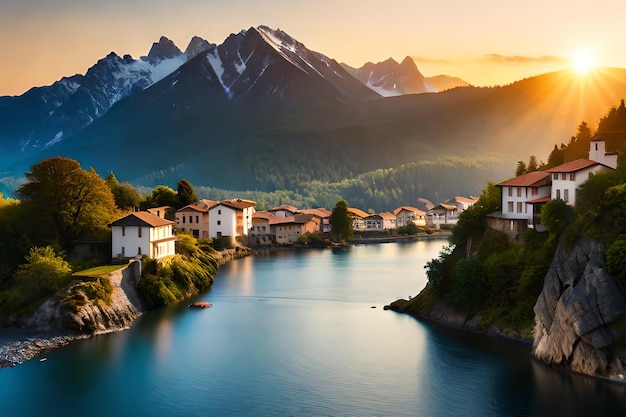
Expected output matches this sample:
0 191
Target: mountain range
260 111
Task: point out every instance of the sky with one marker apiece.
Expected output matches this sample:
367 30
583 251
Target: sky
484 42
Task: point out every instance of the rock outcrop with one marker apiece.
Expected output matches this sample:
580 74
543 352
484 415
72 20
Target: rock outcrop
92 318
580 314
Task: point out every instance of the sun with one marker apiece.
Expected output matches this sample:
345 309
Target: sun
583 61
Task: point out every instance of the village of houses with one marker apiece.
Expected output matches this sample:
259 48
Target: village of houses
152 233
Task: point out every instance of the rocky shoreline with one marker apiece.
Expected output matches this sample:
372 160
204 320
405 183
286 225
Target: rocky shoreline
50 328
17 345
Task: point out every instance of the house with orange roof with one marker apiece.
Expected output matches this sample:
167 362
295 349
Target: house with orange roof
406 215
267 228
567 178
194 218
261 232
521 200
523 196
321 213
142 234
358 219
380 221
283 210
289 229
231 218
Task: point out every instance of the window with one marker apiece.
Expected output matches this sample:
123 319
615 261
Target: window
519 207
123 250
558 194
519 192
563 176
572 176
139 231
510 191
510 207
139 250
197 219
535 191
555 176
183 219
566 195
123 231
219 222
219 212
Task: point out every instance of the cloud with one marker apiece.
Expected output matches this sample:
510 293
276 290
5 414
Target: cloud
520 59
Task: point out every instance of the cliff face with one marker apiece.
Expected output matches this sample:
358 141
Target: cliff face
93 318
580 314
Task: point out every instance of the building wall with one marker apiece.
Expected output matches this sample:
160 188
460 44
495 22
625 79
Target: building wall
222 221
194 222
564 185
514 201
127 243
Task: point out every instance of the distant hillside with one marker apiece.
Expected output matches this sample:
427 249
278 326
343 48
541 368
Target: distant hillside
445 82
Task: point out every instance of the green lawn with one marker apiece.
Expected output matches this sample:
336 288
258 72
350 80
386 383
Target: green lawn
98 270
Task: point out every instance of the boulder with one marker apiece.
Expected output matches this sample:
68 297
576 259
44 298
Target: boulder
578 313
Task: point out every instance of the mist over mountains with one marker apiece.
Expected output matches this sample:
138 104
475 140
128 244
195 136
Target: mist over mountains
260 111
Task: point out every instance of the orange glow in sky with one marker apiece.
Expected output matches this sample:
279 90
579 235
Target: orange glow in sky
484 42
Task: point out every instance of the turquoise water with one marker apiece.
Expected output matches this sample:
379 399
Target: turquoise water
295 334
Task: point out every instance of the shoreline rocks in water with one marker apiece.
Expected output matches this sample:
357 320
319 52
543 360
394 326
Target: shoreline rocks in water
53 325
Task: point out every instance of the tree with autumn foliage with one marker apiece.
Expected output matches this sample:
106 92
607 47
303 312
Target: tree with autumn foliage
64 202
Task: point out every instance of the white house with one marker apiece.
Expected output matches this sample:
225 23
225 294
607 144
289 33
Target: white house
567 178
231 218
380 221
523 196
406 215
142 234
521 200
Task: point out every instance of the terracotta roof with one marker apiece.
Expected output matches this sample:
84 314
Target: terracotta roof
463 200
284 207
532 179
357 212
319 212
193 207
409 208
573 166
385 215
539 200
443 207
142 218
204 203
235 203
265 215
297 219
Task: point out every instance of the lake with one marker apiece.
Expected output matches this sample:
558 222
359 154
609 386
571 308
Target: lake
302 333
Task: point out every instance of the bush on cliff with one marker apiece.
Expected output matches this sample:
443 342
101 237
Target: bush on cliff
174 279
484 273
